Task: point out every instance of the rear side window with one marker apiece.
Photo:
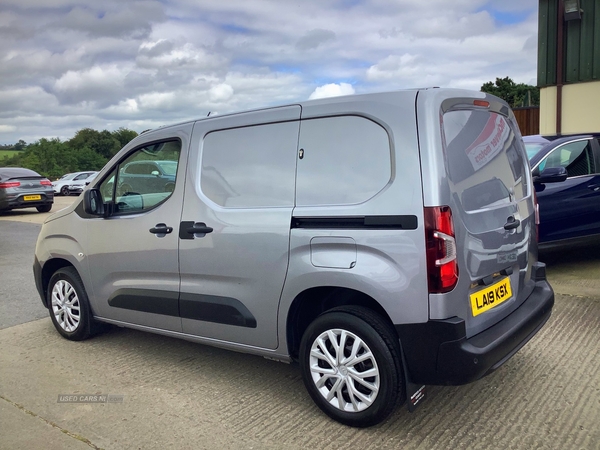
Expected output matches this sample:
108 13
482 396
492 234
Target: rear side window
250 167
486 163
344 160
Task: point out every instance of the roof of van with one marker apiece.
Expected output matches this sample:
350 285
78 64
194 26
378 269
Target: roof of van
337 99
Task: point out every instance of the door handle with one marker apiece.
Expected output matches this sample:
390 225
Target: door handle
512 223
594 187
191 229
161 230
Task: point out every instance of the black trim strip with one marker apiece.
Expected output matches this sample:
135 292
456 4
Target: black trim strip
210 308
146 300
408 222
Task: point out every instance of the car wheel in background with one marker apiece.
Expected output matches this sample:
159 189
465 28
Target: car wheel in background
64 190
44 208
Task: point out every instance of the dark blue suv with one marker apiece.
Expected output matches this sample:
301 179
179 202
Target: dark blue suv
566 176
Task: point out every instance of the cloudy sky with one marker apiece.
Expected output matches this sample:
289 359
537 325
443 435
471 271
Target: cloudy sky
72 64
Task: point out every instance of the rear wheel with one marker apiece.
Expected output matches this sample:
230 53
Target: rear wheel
44 208
351 367
69 306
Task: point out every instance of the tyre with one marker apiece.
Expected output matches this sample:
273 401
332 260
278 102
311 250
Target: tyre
69 306
350 365
44 208
64 190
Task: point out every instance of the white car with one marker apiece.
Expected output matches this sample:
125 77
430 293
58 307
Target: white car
61 186
77 186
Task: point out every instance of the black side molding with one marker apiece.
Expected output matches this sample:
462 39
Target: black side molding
146 300
211 308
408 222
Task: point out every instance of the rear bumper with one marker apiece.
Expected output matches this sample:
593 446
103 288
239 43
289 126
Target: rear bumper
437 352
18 201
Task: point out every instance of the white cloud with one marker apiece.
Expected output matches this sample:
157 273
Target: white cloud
66 64
332 90
7 128
220 93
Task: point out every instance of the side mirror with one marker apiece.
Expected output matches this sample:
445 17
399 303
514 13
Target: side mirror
93 203
156 173
551 175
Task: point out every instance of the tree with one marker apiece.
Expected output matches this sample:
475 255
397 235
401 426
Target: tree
102 142
124 135
516 95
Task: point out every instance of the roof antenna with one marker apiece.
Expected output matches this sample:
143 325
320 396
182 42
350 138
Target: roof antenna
208 115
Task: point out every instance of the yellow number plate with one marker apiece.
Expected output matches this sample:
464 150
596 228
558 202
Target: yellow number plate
490 297
32 197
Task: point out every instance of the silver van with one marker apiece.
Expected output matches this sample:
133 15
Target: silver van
384 242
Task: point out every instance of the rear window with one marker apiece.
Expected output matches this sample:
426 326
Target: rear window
485 160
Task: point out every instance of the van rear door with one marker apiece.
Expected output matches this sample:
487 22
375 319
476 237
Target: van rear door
487 184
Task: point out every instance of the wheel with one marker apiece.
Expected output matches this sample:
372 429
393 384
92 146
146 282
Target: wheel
64 190
69 306
350 364
44 208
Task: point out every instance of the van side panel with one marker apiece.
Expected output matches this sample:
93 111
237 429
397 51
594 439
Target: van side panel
240 184
382 230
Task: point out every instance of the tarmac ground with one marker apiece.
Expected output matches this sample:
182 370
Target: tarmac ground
137 390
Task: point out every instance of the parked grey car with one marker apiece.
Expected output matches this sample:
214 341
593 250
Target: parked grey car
383 241
142 176
24 188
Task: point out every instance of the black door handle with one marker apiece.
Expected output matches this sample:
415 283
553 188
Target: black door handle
190 230
594 187
512 223
161 230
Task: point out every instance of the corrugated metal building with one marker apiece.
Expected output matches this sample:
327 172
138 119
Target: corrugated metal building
569 66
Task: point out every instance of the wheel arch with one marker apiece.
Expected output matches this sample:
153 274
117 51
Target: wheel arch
316 300
50 267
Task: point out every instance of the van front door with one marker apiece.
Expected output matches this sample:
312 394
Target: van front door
235 228
133 252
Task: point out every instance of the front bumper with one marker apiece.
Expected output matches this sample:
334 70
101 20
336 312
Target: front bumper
37 276
438 352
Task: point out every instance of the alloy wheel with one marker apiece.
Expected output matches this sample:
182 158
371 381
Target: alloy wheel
66 306
344 370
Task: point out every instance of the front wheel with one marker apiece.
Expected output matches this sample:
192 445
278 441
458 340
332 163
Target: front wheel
69 306
351 367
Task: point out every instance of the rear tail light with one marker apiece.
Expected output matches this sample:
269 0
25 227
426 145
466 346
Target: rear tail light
442 267
46 182
9 184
